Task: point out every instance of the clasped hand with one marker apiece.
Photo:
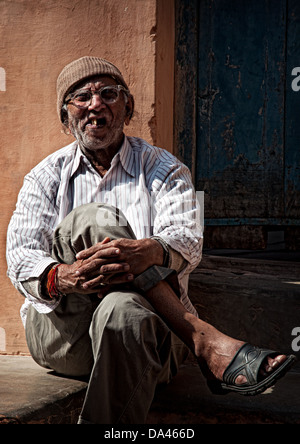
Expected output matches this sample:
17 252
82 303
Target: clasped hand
108 263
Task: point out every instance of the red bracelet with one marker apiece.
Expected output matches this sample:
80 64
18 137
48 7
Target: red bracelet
51 283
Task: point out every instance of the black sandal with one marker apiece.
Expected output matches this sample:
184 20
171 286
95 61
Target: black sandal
247 362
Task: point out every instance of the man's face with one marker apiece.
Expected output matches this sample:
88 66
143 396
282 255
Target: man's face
100 126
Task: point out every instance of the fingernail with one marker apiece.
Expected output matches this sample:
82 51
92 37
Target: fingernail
126 267
130 277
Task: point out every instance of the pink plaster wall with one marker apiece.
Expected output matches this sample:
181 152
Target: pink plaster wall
37 38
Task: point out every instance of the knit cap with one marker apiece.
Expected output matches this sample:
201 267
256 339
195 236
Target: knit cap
81 69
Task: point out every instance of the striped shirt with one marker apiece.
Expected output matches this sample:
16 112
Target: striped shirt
151 186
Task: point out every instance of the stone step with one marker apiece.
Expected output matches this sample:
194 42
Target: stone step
187 400
30 394
254 301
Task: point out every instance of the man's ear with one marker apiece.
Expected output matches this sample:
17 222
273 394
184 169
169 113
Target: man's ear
129 109
65 120
64 115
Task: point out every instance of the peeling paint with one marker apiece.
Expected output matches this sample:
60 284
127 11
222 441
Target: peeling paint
208 96
153 34
229 143
230 65
152 124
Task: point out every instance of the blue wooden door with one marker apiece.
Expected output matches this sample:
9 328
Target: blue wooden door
292 113
246 153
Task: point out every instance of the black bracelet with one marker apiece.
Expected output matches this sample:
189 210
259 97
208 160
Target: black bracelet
164 245
151 277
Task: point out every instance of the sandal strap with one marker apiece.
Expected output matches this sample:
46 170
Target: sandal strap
246 362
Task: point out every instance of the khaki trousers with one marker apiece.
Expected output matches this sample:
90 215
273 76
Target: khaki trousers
120 342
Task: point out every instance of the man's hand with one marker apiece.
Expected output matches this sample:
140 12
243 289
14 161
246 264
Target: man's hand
116 262
71 278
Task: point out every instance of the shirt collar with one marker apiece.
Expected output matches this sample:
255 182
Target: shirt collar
125 155
77 159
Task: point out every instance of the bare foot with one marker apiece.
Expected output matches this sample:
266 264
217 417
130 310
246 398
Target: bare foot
215 355
213 349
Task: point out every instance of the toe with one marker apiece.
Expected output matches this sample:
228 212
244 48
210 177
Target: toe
240 380
273 363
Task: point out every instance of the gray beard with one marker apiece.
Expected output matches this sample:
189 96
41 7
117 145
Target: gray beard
113 139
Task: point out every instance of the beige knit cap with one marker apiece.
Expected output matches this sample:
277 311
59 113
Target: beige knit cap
81 69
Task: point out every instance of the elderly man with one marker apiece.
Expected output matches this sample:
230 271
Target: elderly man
104 236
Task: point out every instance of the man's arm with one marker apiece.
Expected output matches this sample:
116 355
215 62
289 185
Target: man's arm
177 215
29 241
176 225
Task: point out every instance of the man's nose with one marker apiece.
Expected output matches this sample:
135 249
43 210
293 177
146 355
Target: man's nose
96 102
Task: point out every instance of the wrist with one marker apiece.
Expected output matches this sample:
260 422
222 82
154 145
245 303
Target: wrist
44 280
154 253
51 283
164 252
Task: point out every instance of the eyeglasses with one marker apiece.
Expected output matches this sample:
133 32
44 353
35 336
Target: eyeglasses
82 99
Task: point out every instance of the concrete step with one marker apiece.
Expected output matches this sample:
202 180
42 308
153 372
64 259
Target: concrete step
252 300
187 400
30 394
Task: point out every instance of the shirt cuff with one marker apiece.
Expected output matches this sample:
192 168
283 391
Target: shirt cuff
33 285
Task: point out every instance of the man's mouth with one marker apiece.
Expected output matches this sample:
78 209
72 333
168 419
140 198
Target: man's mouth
96 122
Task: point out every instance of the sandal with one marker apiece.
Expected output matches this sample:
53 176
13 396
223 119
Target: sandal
247 362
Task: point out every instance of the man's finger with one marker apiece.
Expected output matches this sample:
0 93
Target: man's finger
121 278
84 254
96 261
106 269
114 268
97 253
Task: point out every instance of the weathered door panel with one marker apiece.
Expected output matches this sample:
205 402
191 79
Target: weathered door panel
237 116
241 81
292 128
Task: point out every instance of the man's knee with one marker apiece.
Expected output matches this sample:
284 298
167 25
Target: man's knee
87 225
97 215
101 215
130 315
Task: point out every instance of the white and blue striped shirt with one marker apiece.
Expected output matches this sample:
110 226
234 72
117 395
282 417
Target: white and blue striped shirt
152 188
